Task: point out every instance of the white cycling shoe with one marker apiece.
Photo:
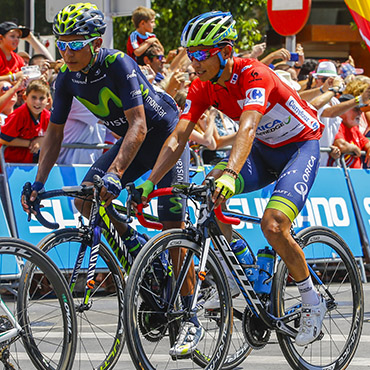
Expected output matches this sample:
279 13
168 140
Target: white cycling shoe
213 303
312 317
187 340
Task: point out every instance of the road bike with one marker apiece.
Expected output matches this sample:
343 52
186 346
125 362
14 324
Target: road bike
331 264
96 272
38 328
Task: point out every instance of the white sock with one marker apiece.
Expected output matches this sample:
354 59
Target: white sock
308 292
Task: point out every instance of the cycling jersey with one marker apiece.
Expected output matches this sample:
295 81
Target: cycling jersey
113 84
254 86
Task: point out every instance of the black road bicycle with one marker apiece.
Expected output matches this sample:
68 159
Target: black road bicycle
37 319
251 317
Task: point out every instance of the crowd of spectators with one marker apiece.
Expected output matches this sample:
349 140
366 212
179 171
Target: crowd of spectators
338 90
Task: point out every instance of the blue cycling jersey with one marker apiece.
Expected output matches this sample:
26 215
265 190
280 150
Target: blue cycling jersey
113 84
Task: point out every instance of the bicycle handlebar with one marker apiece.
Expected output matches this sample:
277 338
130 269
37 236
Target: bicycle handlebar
169 191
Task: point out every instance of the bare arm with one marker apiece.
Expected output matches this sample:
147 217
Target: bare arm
38 46
24 143
346 147
145 45
50 150
171 150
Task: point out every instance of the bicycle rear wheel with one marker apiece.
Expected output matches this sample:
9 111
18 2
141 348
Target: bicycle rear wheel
43 306
100 322
333 262
155 309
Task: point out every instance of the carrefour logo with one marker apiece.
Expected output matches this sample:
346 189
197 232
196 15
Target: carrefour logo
187 106
255 96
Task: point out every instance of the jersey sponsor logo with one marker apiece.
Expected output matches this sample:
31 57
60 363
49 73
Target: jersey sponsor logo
254 75
135 93
278 125
187 106
131 75
116 122
296 108
246 67
102 108
80 82
255 96
273 126
234 78
98 79
301 187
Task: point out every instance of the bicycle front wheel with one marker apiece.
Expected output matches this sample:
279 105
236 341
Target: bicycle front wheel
42 307
156 308
330 258
100 320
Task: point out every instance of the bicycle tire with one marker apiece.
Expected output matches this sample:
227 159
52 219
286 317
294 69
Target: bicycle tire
147 354
101 326
48 338
343 322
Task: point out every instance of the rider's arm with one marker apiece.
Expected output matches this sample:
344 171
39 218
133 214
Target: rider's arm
132 141
50 150
171 150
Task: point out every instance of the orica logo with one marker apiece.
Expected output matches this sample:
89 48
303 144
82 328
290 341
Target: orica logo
301 188
255 96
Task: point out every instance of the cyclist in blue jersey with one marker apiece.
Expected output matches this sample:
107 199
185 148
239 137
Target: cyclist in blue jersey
111 85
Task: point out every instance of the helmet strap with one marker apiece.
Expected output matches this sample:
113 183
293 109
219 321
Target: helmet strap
92 60
222 67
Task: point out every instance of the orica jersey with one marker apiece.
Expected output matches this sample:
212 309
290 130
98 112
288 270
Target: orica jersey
113 85
254 86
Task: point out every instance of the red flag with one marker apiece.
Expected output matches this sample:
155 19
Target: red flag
360 10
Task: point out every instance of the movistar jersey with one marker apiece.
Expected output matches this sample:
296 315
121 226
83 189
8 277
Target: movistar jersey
113 85
254 86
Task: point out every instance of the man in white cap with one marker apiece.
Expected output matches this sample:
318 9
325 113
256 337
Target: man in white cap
330 112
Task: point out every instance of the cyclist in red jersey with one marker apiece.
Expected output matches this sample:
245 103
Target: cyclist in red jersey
277 141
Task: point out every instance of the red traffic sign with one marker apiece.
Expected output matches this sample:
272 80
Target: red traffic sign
288 17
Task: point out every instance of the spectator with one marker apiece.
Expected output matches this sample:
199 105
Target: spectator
347 69
81 127
153 56
349 139
24 129
8 98
144 21
10 62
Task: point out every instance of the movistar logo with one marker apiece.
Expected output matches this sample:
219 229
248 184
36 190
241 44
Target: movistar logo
113 180
111 58
144 93
178 206
101 109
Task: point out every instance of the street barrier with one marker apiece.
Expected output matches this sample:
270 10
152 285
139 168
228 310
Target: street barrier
329 204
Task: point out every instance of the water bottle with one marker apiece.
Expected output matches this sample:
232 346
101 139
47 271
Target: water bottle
244 256
265 262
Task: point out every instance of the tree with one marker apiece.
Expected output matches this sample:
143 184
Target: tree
173 16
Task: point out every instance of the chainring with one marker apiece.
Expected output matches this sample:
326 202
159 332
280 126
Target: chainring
255 331
152 324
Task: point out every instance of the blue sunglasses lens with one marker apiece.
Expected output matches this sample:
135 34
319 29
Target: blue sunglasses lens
199 55
5 88
73 45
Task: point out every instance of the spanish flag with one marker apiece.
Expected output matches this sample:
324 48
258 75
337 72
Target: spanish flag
360 10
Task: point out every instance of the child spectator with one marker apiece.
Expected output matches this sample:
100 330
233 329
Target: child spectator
349 139
24 129
144 21
10 62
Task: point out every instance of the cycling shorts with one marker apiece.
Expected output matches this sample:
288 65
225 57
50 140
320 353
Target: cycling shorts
170 208
293 166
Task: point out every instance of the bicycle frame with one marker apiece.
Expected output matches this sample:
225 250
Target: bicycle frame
11 333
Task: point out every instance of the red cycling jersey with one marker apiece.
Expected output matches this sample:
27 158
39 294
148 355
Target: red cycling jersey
254 86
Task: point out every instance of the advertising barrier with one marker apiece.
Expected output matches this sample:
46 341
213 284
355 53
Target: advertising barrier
329 204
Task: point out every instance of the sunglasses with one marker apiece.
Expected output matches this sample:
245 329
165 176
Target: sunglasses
323 79
201 55
160 57
74 45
